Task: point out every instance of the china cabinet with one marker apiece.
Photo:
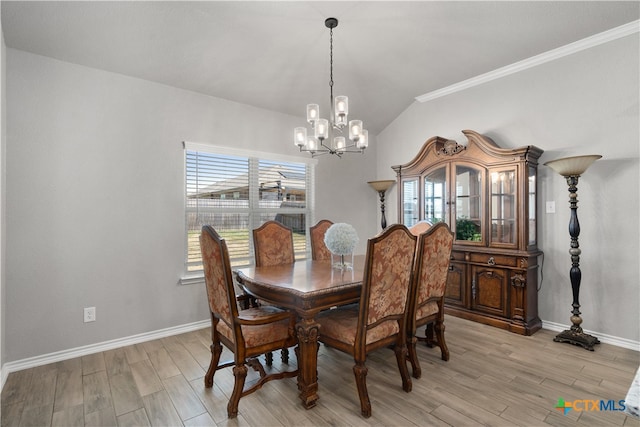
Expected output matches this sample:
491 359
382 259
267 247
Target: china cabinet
487 196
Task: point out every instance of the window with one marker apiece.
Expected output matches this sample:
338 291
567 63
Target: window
236 191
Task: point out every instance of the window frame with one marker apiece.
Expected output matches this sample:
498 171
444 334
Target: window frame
253 210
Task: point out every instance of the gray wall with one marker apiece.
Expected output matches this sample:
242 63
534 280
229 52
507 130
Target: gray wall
94 187
95 199
585 103
3 121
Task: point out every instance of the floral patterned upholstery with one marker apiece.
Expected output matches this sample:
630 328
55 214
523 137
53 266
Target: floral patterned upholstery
247 333
430 279
273 244
419 227
257 335
216 277
343 323
380 319
316 234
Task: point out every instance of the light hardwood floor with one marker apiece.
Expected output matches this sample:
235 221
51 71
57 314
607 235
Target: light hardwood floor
493 378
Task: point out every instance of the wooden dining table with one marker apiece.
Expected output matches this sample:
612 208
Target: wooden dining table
306 287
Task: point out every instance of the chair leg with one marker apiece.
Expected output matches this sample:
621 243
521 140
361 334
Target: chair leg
240 374
401 358
429 337
284 355
413 357
268 358
216 351
360 371
439 329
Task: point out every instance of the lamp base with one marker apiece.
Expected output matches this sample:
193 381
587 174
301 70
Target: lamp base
577 338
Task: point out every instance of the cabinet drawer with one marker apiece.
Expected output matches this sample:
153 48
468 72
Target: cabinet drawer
457 256
489 259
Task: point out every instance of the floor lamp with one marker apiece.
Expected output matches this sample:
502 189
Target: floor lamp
381 187
571 168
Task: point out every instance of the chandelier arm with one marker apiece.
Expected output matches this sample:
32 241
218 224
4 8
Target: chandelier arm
322 144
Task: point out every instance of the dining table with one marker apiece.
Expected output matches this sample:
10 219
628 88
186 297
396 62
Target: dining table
306 287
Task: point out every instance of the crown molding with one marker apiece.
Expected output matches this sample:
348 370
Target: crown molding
586 43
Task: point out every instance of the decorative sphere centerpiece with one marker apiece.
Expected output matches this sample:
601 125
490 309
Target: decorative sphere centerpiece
341 239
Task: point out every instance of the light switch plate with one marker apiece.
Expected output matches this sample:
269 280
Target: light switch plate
551 207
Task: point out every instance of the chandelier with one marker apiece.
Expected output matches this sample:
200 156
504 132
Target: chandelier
329 137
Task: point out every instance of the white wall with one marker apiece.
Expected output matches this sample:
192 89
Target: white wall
95 199
585 103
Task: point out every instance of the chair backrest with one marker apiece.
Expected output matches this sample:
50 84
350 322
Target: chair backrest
217 276
316 234
433 254
386 285
420 227
273 244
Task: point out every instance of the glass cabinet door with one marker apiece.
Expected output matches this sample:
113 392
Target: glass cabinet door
532 206
503 206
410 213
435 196
468 203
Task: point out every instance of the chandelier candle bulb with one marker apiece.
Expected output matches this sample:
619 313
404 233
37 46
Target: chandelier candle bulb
322 128
341 108
339 143
300 136
363 141
355 129
312 145
342 105
313 112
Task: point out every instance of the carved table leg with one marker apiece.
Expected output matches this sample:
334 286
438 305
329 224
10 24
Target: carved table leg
307 332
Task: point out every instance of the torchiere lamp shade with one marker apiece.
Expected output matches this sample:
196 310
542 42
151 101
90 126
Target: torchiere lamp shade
381 187
572 166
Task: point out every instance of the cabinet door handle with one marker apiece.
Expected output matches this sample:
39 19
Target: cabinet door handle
473 289
491 261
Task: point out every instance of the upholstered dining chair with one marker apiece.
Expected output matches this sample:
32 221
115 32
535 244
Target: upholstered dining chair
247 333
273 245
380 318
420 227
427 291
319 250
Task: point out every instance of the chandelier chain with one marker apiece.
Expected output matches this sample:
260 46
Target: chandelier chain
331 67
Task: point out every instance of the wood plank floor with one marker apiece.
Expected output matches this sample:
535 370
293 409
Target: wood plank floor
493 378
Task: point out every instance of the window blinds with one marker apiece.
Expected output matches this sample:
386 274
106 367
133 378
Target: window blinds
236 193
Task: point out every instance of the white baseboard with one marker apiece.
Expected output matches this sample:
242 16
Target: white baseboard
604 338
58 356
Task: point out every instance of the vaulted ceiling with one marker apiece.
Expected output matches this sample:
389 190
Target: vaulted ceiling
275 55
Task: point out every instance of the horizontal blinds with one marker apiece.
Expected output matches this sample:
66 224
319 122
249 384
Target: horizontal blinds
235 194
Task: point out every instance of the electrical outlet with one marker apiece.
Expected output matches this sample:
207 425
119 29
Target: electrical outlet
551 207
89 314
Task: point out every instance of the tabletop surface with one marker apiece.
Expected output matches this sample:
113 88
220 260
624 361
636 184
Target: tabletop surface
305 277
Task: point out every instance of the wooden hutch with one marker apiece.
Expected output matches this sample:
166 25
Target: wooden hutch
487 195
